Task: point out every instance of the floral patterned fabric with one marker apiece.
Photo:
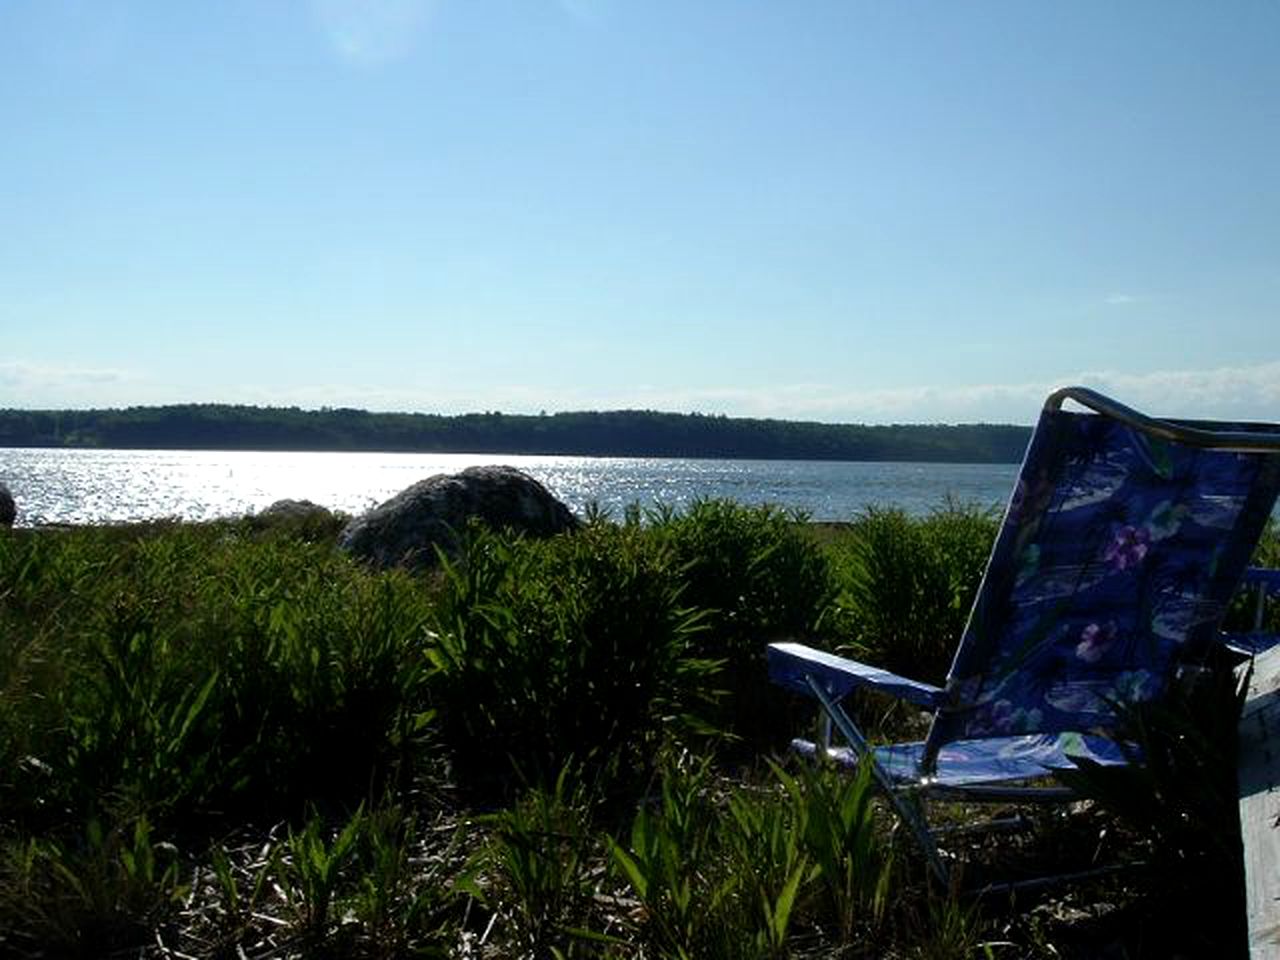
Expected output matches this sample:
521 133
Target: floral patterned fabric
1114 564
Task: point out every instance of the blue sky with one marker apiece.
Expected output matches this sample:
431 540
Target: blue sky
840 211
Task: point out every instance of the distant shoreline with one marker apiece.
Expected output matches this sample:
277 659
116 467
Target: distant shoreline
625 433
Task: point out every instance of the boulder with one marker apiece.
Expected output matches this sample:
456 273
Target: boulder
406 529
297 510
298 519
8 509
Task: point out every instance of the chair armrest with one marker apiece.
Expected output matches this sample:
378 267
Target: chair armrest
792 664
1249 644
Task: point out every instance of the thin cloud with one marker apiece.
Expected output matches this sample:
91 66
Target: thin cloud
1122 299
1235 392
1245 392
28 385
589 11
1230 393
370 33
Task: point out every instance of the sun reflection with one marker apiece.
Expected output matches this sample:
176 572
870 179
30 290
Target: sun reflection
87 486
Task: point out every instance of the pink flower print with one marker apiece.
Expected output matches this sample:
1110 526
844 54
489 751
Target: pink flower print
1094 640
1128 547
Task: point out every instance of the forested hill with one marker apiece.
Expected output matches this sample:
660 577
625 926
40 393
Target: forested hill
631 433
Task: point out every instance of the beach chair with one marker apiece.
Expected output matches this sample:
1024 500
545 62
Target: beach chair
1124 541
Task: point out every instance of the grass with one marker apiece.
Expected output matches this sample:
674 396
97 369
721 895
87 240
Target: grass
227 740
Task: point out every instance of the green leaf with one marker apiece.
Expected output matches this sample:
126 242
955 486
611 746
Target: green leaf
635 875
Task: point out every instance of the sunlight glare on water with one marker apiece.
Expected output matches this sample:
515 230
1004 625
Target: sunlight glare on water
98 486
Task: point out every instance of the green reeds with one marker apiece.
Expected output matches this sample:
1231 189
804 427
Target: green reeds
540 857
907 585
105 889
758 575
390 750
578 648
737 873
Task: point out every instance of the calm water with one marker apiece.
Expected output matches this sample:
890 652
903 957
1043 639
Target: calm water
94 486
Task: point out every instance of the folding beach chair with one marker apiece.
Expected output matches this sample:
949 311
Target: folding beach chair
1122 545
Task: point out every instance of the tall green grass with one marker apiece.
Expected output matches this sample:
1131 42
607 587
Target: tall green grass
907 584
743 874
576 649
758 575
229 737
187 671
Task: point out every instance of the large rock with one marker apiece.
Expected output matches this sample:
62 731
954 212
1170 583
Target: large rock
8 509
434 512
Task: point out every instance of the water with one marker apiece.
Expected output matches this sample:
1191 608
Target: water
99 486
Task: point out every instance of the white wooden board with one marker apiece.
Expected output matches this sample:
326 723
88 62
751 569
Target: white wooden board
1259 782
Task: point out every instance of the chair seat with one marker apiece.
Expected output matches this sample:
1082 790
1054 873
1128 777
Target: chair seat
996 760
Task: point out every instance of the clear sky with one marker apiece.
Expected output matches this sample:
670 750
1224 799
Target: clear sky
843 211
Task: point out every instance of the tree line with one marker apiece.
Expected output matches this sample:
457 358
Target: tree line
623 433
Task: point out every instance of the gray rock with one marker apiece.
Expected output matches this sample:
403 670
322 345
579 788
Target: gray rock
8 509
434 512
295 510
299 520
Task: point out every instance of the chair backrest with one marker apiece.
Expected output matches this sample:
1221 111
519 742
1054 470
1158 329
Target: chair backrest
1120 549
